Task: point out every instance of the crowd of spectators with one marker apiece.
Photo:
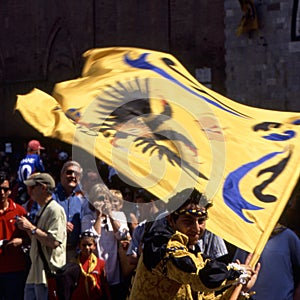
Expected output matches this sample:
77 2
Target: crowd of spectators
104 226
78 191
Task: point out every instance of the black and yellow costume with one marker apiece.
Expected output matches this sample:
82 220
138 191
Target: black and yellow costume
168 270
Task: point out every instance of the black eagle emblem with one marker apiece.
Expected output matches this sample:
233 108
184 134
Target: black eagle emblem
124 110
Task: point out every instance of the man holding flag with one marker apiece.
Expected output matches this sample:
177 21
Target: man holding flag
172 267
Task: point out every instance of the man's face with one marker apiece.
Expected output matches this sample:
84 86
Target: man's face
190 225
70 178
34 191
4 191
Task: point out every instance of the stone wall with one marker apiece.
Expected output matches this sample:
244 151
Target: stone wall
42 42
263 67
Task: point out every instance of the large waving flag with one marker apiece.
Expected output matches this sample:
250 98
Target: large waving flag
141 112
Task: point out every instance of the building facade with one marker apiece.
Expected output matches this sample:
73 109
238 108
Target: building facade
42 42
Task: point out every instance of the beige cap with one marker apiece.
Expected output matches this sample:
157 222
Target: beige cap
43 178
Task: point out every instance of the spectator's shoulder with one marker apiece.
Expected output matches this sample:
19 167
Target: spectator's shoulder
19 208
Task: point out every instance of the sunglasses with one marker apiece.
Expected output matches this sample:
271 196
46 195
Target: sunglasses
70 172
5 189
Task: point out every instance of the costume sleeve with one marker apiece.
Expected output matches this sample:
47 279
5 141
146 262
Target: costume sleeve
186 268
226 295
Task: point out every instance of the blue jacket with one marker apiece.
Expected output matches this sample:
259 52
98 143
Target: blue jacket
31 163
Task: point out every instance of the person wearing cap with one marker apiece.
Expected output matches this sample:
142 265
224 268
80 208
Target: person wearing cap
30 164
170 266
48 234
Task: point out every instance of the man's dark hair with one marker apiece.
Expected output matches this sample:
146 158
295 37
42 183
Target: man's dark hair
3 176
194 198
184 198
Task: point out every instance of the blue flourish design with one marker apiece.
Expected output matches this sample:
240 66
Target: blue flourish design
296 122
231 193
288 134
141 63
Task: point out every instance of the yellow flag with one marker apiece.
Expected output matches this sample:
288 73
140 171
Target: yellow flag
141 112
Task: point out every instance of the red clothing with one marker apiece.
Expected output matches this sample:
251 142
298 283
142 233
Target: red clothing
11 258
98 292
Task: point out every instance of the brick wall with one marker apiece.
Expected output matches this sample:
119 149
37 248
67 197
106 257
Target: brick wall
42 42
263 67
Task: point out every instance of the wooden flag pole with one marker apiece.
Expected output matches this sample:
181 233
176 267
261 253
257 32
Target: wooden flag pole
250 260
235 294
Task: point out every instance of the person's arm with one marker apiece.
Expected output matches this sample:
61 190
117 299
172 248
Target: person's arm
118 221
115 223
205 276
98 221
107 210
35 232
133 221
19 239
97 224
45 238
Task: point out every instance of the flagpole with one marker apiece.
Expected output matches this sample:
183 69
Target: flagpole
251 260
236 292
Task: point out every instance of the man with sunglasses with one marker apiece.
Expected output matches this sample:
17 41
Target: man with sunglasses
69 195
12 240
171 266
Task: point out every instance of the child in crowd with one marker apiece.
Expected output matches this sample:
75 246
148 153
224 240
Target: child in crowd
92 283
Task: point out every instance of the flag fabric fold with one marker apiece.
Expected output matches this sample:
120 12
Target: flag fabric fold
141 112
